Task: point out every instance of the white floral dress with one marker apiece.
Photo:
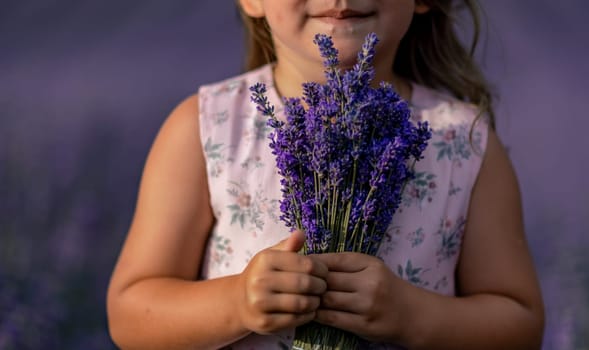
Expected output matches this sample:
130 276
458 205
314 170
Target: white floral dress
422 244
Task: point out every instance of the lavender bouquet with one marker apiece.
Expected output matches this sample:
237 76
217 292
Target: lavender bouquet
344 154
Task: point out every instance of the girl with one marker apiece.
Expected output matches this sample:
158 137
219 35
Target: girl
201 267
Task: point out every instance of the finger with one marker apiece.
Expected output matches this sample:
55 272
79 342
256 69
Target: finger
288 303
343 301
298 283
271 323
293 243
342 281
340 319
345 262
292 262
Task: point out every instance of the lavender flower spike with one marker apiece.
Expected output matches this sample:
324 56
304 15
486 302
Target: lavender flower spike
262 104
344 158
330 55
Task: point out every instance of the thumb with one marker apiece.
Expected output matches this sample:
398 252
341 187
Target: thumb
292 243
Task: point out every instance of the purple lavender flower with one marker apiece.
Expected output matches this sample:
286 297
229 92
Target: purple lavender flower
344 160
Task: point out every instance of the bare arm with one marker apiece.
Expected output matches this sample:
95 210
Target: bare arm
499 304
154 301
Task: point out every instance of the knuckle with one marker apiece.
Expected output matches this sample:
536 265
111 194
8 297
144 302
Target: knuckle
322 288
264 325
257 302
294 320
302 319
371 307
302 304
370 313
307 265
297 304
365 307
262 258
373 286
256 282
314 303
303 283
328 300
367 321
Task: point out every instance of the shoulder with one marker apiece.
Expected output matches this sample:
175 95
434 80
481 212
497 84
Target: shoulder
186 109
459 130
440 109
228 102
178 137
181 123
189 109
238 84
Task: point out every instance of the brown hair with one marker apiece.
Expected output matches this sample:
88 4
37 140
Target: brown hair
429 54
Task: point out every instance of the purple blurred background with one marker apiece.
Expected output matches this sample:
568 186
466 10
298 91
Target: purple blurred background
84 86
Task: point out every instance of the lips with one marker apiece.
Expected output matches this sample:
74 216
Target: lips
347 21
343 14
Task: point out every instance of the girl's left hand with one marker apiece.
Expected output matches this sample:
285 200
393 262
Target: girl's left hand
363 297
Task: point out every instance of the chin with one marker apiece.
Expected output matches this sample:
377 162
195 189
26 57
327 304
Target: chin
348 47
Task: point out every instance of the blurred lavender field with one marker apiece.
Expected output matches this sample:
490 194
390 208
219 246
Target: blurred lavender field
84 86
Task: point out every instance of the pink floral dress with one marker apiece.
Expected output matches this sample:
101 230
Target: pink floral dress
422 244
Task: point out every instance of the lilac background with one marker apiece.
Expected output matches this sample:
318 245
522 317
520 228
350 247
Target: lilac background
84 85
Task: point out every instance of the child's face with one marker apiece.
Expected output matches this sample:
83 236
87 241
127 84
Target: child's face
294 24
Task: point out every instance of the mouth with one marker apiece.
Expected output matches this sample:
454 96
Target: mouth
335 16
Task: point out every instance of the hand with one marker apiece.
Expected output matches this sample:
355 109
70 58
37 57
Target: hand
363 296
279 288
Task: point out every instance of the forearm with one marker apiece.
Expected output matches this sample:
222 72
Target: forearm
165 313
483 321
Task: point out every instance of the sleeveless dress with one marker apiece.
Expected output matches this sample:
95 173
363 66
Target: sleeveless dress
423 242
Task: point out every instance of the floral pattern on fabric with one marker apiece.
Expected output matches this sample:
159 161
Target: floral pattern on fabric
223 252
411 274
455 145
252 163
422 244
416 237
450 238
220 118
214 153
248 210
419 190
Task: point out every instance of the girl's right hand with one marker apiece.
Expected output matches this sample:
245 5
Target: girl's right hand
279 288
